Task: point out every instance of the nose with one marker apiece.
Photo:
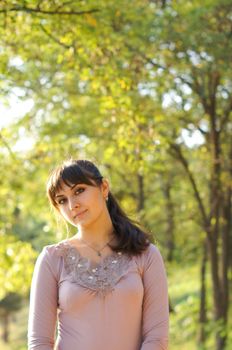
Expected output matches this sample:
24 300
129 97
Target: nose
73 203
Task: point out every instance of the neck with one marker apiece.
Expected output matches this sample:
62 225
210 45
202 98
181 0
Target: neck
98 234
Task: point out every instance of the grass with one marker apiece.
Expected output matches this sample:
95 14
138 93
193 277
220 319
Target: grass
184 291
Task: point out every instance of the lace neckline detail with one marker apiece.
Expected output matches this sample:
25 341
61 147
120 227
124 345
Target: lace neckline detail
75 252
99 277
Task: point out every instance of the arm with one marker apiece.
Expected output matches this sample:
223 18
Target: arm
43 305
155 303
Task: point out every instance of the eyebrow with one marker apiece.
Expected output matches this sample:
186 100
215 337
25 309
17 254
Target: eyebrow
62 195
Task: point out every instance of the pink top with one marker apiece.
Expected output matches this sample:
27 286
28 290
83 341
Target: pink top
119 304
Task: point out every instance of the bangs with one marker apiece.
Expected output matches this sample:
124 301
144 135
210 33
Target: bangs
74 174
70 175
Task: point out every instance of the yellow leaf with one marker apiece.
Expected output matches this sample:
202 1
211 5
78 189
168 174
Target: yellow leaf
91 20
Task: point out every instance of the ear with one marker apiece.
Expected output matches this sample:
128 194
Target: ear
105 187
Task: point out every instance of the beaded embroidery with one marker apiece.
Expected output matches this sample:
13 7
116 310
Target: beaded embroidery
100 278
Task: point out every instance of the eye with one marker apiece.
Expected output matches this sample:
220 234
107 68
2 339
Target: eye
61 201
79 190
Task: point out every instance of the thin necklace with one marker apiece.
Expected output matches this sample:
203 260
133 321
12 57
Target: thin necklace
98 251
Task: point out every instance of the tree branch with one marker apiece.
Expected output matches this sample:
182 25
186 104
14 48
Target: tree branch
45 12
157 65
53 38
198 87
226 114
187 121
178 152
7 146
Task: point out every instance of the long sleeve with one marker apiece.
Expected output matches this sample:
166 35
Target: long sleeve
43 304
155 320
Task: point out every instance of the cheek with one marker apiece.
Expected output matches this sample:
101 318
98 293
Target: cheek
97 204
63 213
93 199
100 205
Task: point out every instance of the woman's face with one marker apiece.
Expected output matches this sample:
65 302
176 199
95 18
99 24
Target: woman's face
81 204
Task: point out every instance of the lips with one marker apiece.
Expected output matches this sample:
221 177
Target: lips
79 214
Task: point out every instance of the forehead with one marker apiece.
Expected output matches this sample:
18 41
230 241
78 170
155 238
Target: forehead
65 188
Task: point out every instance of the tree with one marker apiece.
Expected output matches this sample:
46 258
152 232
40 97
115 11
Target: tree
125 83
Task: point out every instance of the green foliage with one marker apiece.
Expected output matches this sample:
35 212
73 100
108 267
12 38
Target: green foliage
17 260
120 85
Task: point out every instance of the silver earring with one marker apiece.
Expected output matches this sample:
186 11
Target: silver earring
107 198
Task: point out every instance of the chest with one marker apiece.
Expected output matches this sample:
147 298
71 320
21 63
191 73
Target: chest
83 280
123 291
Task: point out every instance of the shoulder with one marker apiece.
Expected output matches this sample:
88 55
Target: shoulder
151 256
54 250
49 259
151 249
151 252
52 253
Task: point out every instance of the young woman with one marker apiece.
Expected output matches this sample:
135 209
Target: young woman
105 288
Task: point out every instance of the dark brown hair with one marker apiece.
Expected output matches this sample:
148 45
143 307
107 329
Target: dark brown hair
131 238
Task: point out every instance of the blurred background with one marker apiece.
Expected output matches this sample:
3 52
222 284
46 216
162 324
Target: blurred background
142 88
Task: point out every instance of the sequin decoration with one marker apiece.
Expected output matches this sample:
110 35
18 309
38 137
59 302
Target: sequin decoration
101 277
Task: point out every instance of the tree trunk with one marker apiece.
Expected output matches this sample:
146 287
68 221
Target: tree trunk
202 311
140 205
221 336
216 223
170 244
217 241
217 237
6 321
